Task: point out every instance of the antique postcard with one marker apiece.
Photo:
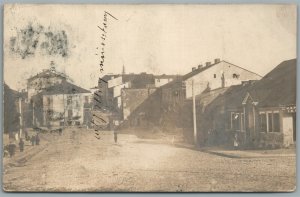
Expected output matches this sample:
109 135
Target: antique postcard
149 98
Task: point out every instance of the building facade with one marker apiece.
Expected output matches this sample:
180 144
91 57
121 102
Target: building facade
220 74
261 114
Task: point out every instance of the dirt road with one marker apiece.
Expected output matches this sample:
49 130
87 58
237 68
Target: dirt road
78 161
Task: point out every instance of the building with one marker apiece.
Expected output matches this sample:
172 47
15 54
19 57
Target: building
270 108
53 100
261 113
161 80
220 74
132 99
44 79
61 104
11 110
224 117
111 85
172 101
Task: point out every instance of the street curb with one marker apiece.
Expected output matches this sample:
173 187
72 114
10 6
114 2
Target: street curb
25 157
228 155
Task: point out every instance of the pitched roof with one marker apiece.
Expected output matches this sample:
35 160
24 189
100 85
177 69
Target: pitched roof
137 80
175 83
199 70
64 88
48 73
109 76
278 87
164 76
232 97
10 92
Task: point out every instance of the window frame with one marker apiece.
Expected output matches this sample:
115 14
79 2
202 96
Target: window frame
69 100
236 124
269 121
260 122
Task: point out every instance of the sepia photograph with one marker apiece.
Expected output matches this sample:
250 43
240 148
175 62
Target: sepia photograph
149 98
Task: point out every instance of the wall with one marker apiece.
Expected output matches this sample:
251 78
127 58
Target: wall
212 78
59 107
132 98
287 129
11 104
114 82
162 81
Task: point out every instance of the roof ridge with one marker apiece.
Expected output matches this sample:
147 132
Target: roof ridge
241 67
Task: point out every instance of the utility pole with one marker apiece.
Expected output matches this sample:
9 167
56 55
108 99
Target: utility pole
194 115
123 70
33 115
21 117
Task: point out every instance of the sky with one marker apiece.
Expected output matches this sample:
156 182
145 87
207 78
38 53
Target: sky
158 39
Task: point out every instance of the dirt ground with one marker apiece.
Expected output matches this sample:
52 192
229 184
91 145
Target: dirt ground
79 161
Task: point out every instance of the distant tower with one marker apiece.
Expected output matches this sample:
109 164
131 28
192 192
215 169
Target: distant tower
123 70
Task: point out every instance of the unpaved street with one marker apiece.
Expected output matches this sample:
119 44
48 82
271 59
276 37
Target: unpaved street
78 161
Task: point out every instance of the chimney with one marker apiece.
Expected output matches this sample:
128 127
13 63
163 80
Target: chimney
200 66
217 60
194 68
207 64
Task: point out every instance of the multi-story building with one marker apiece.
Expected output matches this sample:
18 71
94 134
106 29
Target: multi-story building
220 74
55 101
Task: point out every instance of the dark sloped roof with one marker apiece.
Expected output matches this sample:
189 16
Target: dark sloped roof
137 80
175 83
109 76
48 73
11 92
278 87
232 97
208 98
64 88
164 76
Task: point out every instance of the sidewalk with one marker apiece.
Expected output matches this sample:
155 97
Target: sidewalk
243 154
20 158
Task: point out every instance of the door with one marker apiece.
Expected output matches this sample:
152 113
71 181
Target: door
70 114
287 126
250 124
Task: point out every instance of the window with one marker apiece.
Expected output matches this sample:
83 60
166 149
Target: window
70 114
235 121
235 76
231 120
270 124
86 98
263 122
69 100
242 121
276 123
215 75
